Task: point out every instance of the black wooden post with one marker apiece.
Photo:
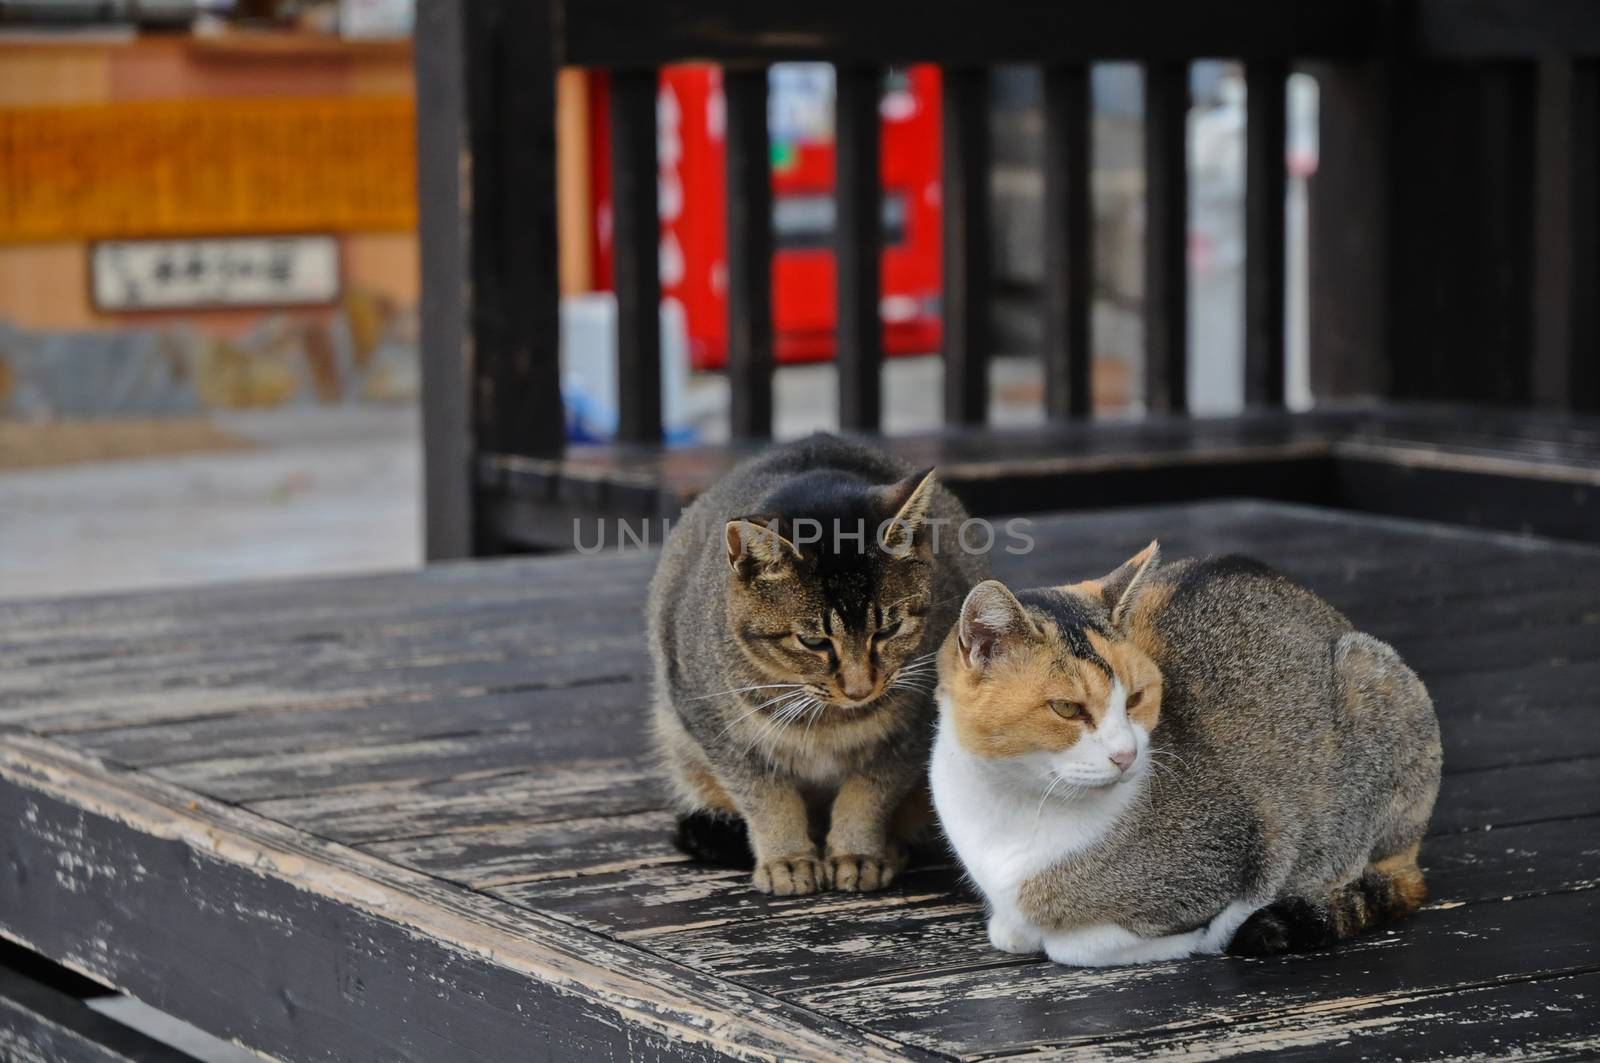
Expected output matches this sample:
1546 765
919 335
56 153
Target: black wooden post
1068 264
1351 240
1265 184
1566 362
637 239
749 253
968 265
1166 237
858 247
491 378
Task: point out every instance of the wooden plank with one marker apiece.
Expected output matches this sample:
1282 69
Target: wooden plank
43 1025
1040 1005
167 890
363 767
749 253
516 375
312 611
514 855
553 710
1548 1018
1265 288
616 33
1465 332
1349 212
636 229
942 930
1068 233
671 897
1505 29
858 245
565 790
1166 237
445 297
1567 250
1556 789
967 252
484 859
329 686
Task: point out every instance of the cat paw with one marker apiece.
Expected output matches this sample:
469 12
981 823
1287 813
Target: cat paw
1009 937
858 872
791 876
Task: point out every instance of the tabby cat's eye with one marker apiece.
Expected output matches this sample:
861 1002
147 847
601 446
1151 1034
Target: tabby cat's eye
815 645
1134 699
1068 710
888 632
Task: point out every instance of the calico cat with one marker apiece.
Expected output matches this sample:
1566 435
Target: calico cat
793 621
1180 758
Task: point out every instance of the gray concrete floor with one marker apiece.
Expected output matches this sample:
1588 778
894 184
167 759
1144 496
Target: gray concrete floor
324 491
337 490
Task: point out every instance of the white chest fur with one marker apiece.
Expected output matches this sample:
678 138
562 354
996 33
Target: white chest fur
1001 827
1005 832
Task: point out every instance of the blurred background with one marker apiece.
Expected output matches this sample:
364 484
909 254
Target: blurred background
209 274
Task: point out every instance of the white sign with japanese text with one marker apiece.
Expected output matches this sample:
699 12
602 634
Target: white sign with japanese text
210 272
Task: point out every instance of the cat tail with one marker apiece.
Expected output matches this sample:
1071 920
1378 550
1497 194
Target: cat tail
715 838
1384 892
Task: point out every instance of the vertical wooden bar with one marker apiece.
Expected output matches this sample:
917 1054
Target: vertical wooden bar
1068 268
637 238
968 265
1566 362
1266 182
445 303
749 254
1166 236
1350 230
489 307
858 246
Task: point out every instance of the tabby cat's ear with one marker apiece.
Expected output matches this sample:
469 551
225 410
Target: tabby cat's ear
910 500
1121 588
990 617
756 549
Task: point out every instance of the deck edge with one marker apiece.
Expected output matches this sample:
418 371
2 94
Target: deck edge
607 979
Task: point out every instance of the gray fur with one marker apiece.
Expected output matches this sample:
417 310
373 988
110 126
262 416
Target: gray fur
1295 753
759 761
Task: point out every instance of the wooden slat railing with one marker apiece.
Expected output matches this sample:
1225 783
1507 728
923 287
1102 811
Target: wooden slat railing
510 299
1068 267
1266 86
1166 236
749 253
637 228
968 248
858 246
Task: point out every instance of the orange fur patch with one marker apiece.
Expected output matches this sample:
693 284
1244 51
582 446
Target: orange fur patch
710 791
1004 710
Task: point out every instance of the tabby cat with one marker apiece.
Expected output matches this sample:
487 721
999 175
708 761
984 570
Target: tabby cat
1194 757
793 621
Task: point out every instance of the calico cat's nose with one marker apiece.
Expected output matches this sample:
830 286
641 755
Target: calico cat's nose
1123 758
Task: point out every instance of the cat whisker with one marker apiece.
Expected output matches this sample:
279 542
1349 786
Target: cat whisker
744 690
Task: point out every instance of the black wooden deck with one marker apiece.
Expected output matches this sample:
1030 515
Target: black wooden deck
411 817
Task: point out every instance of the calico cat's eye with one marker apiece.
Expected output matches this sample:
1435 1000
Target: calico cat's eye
887 632
1069 710
816 645
1134 699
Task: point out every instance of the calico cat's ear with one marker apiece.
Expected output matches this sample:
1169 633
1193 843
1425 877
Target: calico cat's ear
756 548
990 616
909 500
1121 588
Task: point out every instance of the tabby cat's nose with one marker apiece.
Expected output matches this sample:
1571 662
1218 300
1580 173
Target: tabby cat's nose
1123 758
856 687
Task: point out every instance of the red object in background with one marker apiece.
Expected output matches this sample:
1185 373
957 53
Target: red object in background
690 150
